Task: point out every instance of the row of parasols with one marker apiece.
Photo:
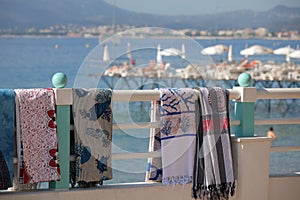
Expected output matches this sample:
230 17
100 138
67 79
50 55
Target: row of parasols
252 50
217 50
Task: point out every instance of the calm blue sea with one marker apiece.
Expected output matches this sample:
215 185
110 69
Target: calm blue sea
31 62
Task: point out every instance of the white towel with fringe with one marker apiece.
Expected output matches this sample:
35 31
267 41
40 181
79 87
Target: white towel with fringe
177 135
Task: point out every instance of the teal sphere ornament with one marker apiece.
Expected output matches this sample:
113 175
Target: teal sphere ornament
59 80
245 80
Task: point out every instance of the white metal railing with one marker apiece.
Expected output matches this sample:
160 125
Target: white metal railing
279 93
153 95
64 97
146 95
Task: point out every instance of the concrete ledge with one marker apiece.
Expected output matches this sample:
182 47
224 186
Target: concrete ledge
279 188
284 188
132 191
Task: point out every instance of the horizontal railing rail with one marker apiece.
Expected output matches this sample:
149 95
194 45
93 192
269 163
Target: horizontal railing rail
285 148
277 121
278 93
64 95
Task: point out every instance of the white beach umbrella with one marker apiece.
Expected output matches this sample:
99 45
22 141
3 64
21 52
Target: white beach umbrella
171 52
295 54
283 50
214 50
256 50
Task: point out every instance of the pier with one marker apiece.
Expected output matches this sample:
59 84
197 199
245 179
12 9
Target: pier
149 83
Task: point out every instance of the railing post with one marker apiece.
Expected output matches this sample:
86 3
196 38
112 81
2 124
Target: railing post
244 108
59 80
251 154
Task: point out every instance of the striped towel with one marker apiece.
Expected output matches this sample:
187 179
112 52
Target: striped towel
177 134
93 134
213 170
7 127
36 136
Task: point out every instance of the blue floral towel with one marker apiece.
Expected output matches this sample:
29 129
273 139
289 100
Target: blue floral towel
7 127
177 134
93 134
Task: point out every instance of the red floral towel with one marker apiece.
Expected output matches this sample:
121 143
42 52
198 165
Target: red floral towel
37 137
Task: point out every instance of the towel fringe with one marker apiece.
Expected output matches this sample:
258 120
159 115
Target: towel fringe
212 192
174 180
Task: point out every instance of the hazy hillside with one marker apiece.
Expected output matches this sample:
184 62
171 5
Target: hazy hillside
43 13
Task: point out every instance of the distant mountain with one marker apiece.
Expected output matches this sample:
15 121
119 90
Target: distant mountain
44 13
279 18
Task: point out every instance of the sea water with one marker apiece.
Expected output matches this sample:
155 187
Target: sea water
31 62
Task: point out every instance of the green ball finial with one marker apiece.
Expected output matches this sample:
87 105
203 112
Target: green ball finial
245 80
59 80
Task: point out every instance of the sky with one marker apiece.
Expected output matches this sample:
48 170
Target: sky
194 7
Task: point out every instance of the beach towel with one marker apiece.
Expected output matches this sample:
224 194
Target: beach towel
213 169
154 166
7 128
36 136
93 134
5 179
177 134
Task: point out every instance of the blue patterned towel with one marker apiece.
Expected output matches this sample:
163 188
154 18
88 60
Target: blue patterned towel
7 127
177 134
93 134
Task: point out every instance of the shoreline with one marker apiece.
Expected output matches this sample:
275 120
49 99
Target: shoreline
154 37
